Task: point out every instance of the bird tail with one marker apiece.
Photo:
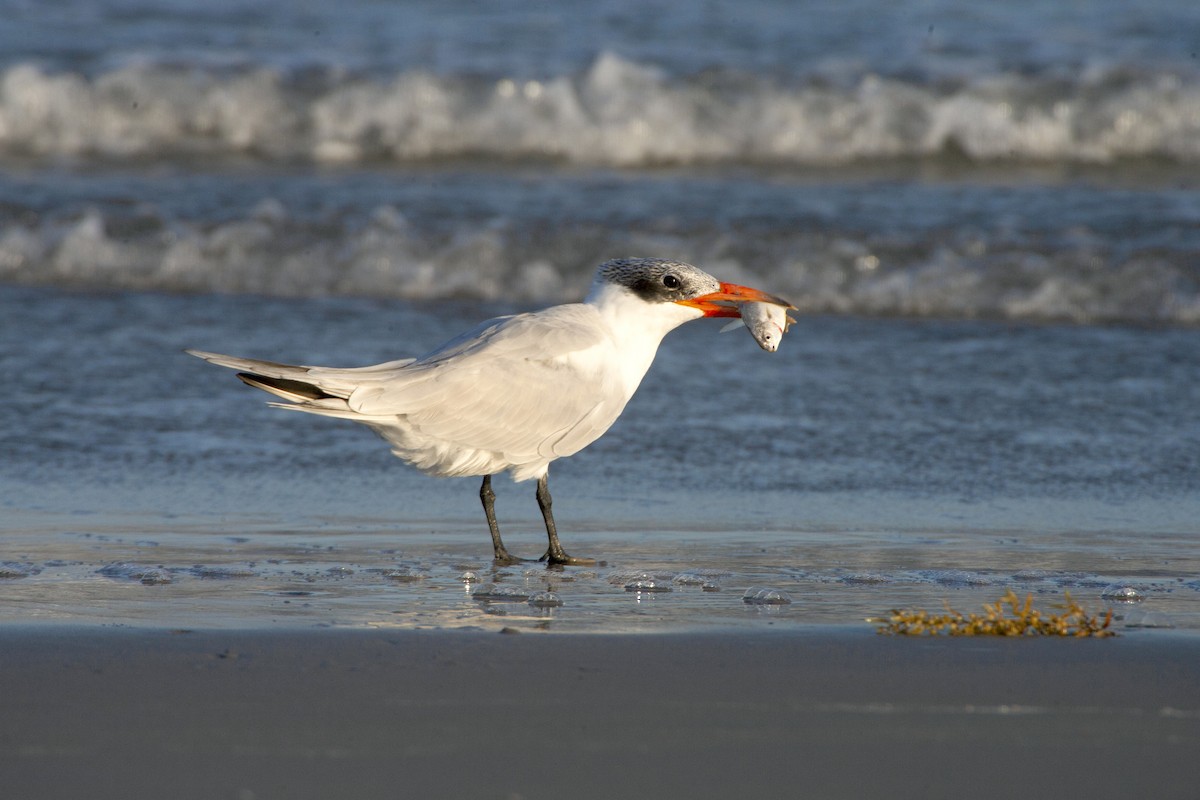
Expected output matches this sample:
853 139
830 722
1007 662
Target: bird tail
316 390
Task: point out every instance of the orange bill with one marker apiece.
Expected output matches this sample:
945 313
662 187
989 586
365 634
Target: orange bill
724 303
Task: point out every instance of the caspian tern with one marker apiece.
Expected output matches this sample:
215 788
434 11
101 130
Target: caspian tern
518 391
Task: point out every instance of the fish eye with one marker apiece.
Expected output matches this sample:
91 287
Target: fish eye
670 281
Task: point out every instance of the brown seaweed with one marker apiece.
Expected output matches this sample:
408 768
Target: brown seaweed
1008 616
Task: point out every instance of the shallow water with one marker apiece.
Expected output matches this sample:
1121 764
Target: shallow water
868 465
369 573
938 186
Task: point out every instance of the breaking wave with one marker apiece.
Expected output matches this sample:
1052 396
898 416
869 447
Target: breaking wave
616 112
942 272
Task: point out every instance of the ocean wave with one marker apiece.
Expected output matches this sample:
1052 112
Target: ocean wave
616 113
940 273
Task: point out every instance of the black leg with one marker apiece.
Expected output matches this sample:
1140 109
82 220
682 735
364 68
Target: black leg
488 497
554 553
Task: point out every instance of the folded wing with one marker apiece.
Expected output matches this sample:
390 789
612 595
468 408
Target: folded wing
515 393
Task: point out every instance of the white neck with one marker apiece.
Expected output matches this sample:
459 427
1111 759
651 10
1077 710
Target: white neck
636 326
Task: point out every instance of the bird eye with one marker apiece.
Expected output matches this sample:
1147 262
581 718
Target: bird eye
670 281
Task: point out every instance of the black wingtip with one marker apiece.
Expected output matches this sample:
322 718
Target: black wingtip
297 388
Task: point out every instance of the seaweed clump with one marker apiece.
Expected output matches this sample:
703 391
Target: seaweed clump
1008 616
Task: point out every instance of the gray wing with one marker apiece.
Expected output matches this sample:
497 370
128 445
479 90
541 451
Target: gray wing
529 385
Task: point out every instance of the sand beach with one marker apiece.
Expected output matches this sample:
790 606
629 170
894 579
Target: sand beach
824 713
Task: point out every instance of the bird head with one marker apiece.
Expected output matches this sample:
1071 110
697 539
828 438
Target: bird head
656 280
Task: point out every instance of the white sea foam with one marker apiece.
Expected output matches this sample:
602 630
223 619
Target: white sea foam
270 252
615 112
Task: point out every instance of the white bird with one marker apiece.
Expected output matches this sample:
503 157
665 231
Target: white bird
516 392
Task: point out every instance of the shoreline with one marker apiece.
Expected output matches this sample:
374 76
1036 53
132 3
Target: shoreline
289 578
824 712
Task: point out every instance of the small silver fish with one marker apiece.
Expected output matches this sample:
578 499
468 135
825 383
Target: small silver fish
767 323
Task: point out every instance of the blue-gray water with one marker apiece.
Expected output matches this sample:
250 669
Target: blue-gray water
988 215
867 464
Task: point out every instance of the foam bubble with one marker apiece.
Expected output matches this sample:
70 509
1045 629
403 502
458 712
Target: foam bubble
150 576
1138 618
405 574
649 585
765 596
500 593
545 599
1119 593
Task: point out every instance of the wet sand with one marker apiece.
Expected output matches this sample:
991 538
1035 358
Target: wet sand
820 712
435 575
